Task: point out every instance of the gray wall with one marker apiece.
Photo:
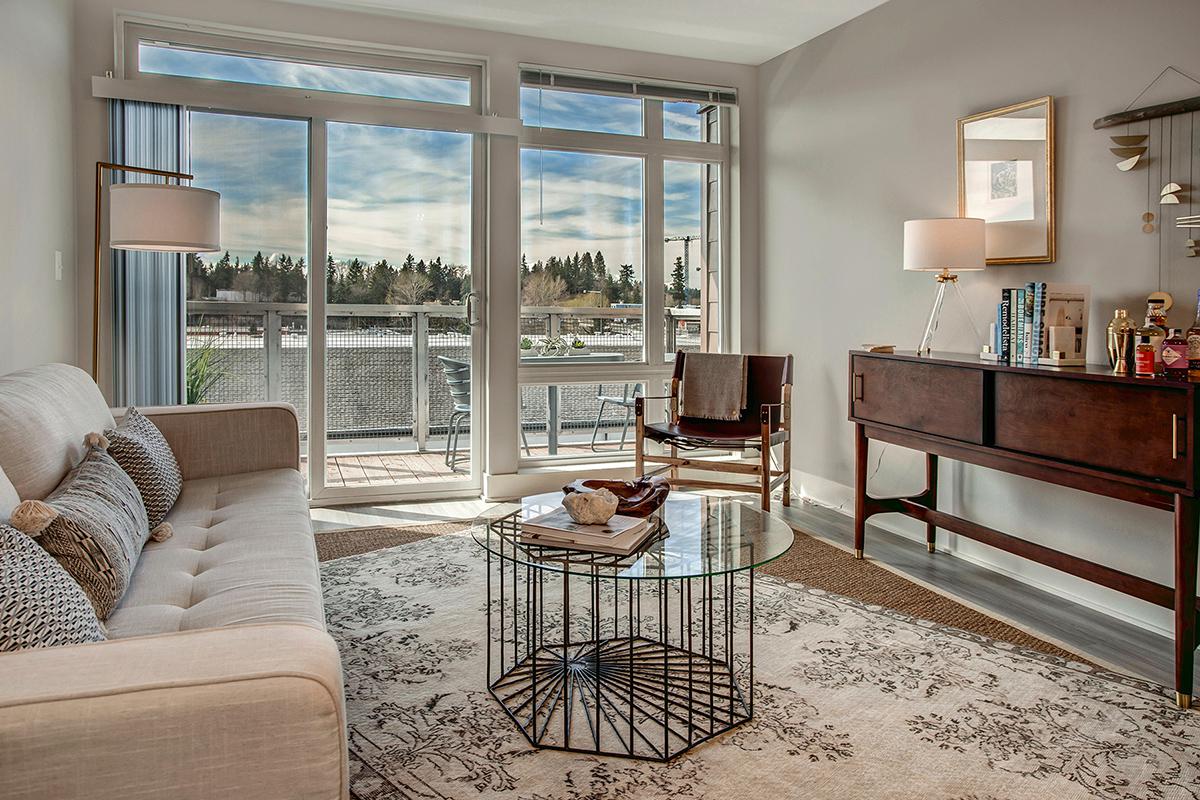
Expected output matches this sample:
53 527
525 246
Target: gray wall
859 134
37 201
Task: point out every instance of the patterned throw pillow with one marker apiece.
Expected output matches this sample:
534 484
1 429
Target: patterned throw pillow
94 524
140 449
40 604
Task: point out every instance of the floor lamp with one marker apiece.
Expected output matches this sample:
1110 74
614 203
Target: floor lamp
155 217
941 245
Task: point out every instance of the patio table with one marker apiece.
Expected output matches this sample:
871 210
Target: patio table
552 390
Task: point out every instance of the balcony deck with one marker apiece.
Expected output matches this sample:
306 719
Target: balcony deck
391 469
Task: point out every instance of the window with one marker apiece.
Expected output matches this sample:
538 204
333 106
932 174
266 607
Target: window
581 255
691 257
620 266
185 62
578 111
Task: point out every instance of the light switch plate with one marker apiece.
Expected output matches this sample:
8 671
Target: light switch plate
58 265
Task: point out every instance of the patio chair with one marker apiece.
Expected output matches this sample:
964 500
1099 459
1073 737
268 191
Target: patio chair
765 422
625 400
458 380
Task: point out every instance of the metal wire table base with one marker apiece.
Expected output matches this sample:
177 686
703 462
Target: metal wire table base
607 664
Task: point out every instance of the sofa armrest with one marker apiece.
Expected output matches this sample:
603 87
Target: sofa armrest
211 440
250 711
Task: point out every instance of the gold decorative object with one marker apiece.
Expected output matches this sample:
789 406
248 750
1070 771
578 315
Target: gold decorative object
1006 178
1127 152
1129 141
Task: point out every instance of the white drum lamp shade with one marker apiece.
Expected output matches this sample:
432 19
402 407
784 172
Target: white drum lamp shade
933 245
164 218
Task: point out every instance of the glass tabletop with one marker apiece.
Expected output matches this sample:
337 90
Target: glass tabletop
699 535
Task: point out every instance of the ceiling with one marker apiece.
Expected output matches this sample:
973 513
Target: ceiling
749 32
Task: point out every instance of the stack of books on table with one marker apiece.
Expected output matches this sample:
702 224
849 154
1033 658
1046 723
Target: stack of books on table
620 536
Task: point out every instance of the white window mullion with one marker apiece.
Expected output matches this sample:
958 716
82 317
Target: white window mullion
653 288
318 214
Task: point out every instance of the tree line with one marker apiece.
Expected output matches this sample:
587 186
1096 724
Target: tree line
280 278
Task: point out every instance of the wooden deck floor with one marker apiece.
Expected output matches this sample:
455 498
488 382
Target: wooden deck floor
390 469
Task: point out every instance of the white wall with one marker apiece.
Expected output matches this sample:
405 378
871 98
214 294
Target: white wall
37 205
858 135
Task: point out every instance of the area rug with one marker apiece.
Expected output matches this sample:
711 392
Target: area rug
853 701
810 561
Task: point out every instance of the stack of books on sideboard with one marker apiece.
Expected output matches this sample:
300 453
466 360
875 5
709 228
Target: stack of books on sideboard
1040 323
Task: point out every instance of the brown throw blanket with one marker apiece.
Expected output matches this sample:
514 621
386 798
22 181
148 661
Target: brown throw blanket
714 386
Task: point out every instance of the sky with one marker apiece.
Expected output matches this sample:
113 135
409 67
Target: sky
394 191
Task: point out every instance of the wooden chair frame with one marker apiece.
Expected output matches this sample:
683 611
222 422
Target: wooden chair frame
768 479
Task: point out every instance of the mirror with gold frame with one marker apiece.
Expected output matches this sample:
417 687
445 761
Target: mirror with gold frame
1006 178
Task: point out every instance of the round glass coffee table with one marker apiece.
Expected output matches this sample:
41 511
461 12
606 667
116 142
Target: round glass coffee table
642 656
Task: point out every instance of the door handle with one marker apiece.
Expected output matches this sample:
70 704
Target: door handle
1176 422
856 388
473 309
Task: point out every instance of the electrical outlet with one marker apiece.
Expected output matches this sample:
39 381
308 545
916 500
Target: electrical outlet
58 265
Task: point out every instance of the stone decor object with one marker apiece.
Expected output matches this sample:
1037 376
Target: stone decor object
591 508
638 498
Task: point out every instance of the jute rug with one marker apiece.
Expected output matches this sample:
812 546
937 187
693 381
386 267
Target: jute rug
810 561
853 700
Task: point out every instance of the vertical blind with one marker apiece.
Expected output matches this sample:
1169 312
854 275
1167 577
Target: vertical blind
148 289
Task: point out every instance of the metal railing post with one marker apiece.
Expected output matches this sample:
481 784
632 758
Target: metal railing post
553 325
420 355
273 343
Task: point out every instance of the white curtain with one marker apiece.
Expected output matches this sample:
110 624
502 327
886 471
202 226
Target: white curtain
149 290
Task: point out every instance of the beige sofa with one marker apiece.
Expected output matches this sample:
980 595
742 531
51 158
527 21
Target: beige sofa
218 680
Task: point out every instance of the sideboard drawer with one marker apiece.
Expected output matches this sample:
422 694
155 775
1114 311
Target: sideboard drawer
930 398
1136 429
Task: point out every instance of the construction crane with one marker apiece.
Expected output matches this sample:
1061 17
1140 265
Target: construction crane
687 248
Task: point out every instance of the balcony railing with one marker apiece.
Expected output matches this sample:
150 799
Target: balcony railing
382 371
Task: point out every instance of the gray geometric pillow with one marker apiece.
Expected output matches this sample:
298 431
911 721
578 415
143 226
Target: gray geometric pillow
94 524
140 449
40 604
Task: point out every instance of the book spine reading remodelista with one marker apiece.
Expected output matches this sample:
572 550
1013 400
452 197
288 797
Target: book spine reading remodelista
1006 325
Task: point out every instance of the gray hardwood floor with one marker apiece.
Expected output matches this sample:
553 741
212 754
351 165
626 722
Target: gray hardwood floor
1094 635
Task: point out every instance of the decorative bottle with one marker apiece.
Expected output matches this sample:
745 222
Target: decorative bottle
1174 356
1157 335
1122 336
1193 345
1144 357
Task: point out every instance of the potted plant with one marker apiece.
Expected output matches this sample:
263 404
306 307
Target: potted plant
554 346
579 347
526 344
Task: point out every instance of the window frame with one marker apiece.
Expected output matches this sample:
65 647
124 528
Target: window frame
655 150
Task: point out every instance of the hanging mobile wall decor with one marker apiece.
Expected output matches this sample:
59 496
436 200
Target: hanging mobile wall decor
1154 141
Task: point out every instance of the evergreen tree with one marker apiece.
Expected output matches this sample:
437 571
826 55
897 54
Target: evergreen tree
380 281
625 285
409 264
679 283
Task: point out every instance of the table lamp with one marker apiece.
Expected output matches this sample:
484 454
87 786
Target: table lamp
942 245
158 217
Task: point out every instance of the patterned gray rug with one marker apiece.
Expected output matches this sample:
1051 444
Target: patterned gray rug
854 701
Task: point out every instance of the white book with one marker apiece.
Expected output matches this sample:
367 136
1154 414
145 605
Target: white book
620 535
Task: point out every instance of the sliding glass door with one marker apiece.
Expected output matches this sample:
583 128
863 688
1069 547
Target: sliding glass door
401 399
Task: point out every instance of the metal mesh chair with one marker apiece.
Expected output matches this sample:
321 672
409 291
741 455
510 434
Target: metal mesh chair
625 400
458 380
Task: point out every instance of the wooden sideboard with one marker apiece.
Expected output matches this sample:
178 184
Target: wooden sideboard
1129 438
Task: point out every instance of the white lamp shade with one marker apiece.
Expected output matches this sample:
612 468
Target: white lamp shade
164 218
957 243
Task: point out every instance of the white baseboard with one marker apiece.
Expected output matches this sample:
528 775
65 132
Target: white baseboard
839 497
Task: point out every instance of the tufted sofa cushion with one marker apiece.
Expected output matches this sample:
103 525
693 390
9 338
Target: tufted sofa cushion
242 553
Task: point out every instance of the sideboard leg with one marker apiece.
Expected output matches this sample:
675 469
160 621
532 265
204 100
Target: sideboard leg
860 489
1186 519
931 488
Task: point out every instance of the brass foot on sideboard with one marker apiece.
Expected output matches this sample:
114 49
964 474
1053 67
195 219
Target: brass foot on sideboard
1183 700
858 554
930 547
